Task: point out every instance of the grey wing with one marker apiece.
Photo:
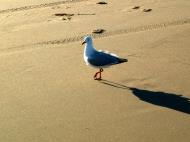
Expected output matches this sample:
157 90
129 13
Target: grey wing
103 59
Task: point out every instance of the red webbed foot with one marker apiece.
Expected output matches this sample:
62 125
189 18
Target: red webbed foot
98 73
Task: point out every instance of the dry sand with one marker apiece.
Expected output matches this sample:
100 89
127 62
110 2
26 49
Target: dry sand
48 93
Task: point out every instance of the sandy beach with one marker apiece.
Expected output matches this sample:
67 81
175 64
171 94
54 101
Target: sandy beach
48 94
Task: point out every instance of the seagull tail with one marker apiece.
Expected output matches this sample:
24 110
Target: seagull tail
122 60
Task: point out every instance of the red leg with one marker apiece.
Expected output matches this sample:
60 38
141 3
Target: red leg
101 70
96 74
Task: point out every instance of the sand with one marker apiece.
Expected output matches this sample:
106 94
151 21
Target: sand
48 93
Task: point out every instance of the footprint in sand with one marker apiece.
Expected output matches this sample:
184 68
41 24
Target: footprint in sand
136 7
98 31
102 2
131 9
65 16
147 10
68 16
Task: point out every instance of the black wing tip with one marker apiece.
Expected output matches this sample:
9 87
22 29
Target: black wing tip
121 60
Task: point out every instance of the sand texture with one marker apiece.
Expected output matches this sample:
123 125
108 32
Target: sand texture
48 93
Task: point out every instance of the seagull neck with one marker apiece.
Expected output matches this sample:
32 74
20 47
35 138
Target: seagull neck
89 48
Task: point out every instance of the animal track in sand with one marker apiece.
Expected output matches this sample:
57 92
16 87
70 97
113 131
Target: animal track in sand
131 9
120 31
105 34
136 7
65 16
98 31
68 16
147 10
39 6
102 2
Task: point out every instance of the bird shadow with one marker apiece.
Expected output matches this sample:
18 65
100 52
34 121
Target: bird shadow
169 100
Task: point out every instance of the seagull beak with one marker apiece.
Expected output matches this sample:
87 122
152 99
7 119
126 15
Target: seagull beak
84 42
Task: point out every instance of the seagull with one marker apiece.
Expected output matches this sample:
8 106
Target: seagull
99 59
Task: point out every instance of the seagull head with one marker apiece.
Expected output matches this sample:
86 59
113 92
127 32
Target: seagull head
87 40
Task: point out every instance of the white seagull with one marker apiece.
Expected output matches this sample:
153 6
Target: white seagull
99 59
